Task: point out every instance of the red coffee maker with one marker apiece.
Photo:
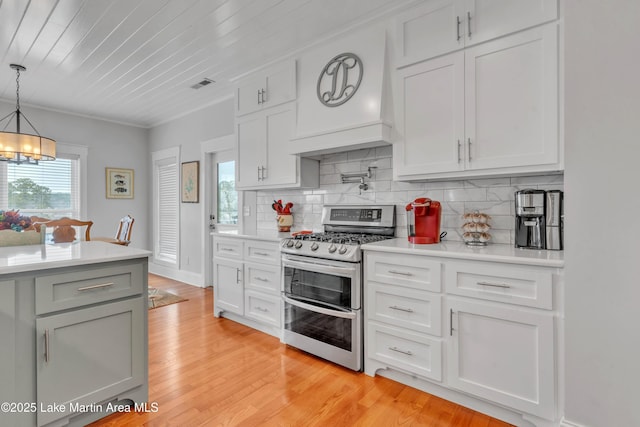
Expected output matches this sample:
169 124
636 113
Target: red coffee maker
423 221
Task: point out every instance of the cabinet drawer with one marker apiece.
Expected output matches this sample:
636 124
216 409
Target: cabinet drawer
89 286
227 248
260 277
265 252
407 270
411 352
407 308
263 308
522 285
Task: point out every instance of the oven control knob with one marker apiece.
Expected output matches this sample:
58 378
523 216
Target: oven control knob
314 246
298 244
290 243
332 248
342 250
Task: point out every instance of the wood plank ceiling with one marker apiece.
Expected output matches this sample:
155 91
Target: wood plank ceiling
133 61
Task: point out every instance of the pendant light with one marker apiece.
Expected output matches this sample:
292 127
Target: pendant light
18 147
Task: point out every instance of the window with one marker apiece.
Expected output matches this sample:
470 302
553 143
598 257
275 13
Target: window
227 194
51 189
166 220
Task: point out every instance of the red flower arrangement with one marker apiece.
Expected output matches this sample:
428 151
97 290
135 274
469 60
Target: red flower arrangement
12 220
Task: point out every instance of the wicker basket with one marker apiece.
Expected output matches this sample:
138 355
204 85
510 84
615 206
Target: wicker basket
19 238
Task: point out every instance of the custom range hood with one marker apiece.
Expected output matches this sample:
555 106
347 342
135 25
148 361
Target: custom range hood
341 95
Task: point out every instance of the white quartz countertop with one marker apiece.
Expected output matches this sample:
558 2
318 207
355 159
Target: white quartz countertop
18 259
491 252
266 235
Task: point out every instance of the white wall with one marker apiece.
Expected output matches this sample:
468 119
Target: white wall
110 145
602 135
187 133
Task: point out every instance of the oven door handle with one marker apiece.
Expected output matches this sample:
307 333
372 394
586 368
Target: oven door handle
321 310
326 268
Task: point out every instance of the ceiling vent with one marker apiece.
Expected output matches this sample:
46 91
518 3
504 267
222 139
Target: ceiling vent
202 83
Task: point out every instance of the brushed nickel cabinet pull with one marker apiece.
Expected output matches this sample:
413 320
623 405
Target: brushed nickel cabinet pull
495 285
459 147
402 273
262 97
469 143
259 102
458 22
264 310
396 349
450 322
261 253
395 307
262 279
237 275
101 285
227 249
469 24
46 346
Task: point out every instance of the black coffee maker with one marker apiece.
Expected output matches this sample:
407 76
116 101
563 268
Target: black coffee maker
530 219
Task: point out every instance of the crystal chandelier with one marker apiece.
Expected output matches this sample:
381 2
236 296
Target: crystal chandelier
18 147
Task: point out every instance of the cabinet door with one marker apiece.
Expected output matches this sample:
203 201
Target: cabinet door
249 96
494 18
229 292
429 30
90 355
503 355
431 116
250 138
281 167
280 83
511 100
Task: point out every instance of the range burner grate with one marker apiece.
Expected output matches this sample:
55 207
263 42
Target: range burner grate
342 238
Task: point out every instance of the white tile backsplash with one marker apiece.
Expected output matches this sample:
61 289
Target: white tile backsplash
494 196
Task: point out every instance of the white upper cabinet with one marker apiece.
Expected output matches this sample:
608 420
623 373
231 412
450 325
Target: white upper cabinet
268 88
442 26
431 116
489 109
263 160
511 100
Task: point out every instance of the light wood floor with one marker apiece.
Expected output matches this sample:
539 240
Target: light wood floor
205 371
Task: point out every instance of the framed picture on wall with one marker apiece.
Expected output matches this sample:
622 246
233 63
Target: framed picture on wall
189 182
119 183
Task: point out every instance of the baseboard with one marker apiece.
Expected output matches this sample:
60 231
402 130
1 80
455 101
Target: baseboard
188 277
566 423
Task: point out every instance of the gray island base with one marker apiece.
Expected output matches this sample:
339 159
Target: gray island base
73 318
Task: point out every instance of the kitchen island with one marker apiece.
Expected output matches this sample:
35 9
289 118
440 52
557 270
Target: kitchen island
73 318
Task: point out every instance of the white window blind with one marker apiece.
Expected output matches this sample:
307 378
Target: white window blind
166 201
50 189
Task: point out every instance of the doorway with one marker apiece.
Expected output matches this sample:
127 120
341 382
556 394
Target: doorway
224 213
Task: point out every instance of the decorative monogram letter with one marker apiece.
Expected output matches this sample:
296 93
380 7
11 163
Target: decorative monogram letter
340 79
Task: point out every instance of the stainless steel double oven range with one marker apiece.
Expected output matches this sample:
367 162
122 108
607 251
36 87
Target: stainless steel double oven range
323 285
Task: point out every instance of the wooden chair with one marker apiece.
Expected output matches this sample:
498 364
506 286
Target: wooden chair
63 229
123 235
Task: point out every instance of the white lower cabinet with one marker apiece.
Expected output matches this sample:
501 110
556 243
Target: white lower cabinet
503 354
479 332
227 277
246 283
